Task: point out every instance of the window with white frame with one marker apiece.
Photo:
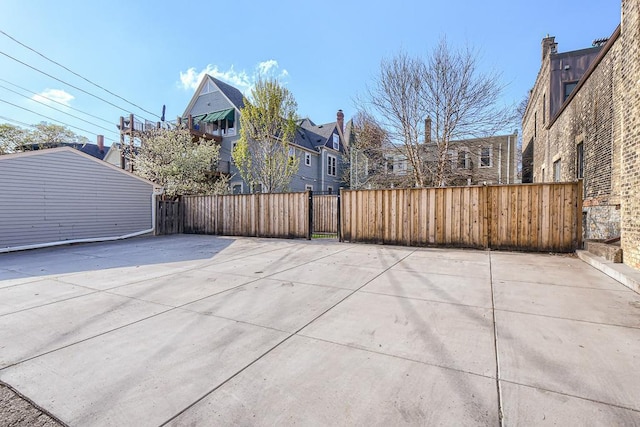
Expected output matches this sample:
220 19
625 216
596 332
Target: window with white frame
464 160
307 159
308 187
236 188
486 160
556 171
336 142
331 165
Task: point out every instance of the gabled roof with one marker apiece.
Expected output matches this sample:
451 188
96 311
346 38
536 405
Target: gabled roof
319 135
87 148
234 95
99 163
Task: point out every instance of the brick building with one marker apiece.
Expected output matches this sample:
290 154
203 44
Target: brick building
583 122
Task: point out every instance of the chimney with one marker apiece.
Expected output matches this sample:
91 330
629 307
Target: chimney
549 46
340 120
100 143
427 130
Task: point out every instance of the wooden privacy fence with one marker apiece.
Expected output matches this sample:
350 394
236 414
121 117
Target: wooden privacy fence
325 214
534 217
254 215
168 217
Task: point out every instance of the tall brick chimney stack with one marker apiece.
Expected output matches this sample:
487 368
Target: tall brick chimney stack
549 45
100 143
340 120
427 130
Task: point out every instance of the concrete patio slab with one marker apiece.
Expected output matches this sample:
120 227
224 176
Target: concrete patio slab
37 293
109 278
614 307
322 273
527 406
202 329
453 254
30 333
182 288
432 287
311 382
540 272
278 304
479 270
142 374
570 357
446 335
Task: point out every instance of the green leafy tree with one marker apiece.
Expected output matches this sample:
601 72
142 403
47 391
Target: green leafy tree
268 123
182 165
11 137
42 135
49 135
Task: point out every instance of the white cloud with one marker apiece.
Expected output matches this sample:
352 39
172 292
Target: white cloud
242 80
48 96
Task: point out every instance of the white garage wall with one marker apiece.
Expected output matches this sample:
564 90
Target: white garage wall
62 194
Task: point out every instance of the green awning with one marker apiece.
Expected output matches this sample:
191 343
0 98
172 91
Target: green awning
197 119
219 116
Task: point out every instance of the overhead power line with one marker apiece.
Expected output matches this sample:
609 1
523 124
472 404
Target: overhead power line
57 102
18 122
78 75
63 82
61 111
47 117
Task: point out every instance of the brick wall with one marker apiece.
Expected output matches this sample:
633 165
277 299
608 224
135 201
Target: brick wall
629 82
603 114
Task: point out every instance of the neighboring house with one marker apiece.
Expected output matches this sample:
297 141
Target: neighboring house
116 157
478 161
62 195
582 121
215 109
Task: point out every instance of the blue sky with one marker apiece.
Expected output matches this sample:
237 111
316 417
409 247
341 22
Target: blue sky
151 53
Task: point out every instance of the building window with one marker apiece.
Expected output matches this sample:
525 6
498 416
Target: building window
331 165
308 187
580 160
535 124
236 188
556 171
568 88
329 190
544 108
464 160
485 157
336 142
307 159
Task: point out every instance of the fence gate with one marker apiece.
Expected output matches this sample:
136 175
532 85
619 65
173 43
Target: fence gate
324 215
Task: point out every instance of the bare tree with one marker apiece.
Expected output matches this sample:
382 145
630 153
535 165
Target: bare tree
365 161
448 89
397 95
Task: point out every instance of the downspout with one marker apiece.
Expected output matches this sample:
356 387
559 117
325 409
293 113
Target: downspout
508 157
500 165
94 239
322 169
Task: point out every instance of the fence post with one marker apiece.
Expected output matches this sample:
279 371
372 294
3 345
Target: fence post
339 213
310 231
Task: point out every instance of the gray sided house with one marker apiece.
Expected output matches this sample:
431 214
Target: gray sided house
215 109
59 195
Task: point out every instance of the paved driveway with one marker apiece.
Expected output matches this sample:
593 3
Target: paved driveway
201 330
